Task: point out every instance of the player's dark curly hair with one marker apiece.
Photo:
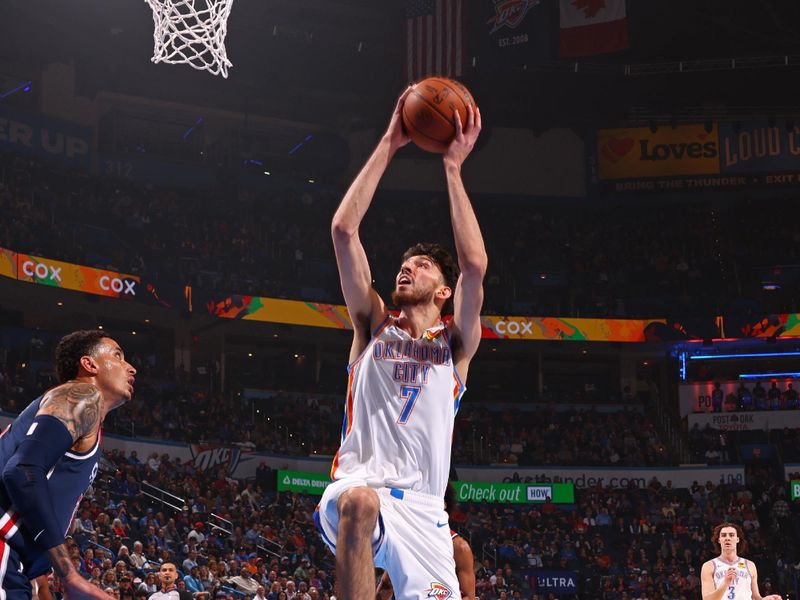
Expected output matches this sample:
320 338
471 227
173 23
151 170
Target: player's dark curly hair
741 547
443 260
72 347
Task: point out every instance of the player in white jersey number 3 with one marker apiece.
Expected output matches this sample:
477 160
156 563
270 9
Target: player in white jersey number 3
729 576
406 376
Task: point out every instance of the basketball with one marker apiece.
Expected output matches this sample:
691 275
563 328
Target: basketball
428 112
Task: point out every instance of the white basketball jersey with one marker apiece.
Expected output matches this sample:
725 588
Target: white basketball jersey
402 398
741 588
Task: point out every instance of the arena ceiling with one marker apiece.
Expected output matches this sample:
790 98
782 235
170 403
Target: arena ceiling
339 62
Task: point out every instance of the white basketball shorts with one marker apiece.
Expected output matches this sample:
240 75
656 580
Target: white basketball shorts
411 540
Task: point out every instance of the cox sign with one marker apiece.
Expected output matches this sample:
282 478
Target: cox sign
514 327
117 285
44 272
69 276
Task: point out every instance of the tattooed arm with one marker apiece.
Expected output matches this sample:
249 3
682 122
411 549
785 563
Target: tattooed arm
75 586
76 405
67 414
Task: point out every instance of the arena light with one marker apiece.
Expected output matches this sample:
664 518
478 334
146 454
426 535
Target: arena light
749 355
791 374
192 129
23 87
300 144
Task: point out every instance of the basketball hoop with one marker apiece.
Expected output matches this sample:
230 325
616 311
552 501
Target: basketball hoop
192 36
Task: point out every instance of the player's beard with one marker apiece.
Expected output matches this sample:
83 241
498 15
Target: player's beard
411 297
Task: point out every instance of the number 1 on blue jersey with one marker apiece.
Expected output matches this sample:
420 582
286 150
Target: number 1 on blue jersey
409 393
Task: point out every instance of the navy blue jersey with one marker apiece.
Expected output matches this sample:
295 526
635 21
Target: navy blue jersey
67 481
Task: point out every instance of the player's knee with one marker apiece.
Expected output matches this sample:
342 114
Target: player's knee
359 505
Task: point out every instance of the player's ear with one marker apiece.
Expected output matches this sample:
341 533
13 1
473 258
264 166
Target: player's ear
444 292
89 365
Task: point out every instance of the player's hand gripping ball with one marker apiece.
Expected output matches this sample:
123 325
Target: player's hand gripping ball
428 112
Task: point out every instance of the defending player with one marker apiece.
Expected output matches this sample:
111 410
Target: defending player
406 379
729 576
50 455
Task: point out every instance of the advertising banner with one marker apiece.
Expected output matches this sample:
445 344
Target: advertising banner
45 137
274 310
557 582
794 489
8 263
607 477
514 493
750 154
302 482
747 421
314 314
758 147
573 329
666 152
55 273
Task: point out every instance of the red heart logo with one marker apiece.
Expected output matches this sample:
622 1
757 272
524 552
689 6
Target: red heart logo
616 148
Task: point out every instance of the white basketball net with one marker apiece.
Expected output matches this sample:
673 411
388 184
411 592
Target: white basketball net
192 36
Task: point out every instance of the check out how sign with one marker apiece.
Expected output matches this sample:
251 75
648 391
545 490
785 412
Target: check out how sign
515 493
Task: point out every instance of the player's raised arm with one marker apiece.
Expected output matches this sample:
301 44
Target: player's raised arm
468 295
365 307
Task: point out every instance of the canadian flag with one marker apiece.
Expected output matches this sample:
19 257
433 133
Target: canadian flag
592 27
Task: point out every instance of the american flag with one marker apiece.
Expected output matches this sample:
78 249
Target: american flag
433 39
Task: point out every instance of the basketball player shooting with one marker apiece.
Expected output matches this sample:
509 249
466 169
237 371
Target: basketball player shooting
50 455
729 576
406 376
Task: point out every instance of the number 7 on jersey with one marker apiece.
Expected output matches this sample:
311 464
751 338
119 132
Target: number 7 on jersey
409 393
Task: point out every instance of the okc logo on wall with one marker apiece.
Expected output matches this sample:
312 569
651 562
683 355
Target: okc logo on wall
510 13
207 457
439 591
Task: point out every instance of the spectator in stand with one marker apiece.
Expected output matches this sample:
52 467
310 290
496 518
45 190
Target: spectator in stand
717 397
192 581
244 582
149 585
138 559
774 396
190 562
126 591
760 397
789 398
745 397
